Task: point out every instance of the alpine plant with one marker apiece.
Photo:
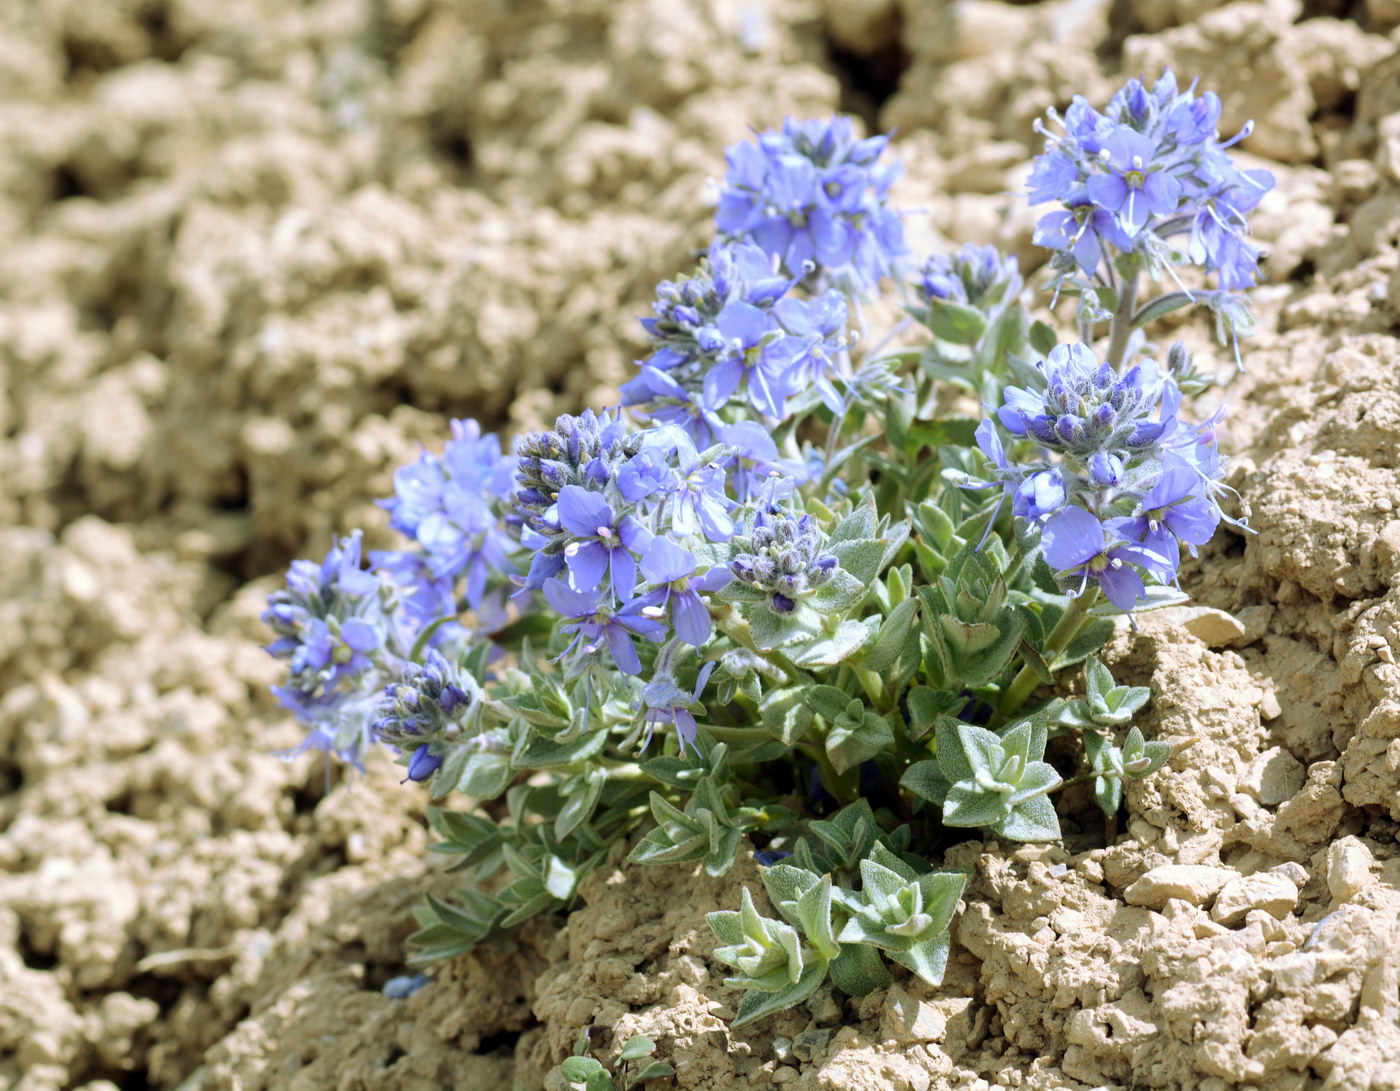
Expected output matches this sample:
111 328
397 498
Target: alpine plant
775 601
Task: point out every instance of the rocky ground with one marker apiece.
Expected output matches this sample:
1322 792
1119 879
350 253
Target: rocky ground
255 252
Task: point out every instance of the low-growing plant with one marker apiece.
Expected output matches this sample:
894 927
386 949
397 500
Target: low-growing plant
778 600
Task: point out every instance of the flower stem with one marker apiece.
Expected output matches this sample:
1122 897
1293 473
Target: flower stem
1071 622
1121 325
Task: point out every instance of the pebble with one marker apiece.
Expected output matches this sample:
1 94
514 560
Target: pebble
1349 865
1273 777
1273 893
1215 628
912 1020
811 1044
1194 883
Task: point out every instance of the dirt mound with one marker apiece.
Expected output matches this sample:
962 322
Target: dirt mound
257 253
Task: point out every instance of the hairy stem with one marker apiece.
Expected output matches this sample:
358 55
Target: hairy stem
1072 621
1121 325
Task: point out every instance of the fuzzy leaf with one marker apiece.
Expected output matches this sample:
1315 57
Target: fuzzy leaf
830 650
925 780
757 1004
858 970
850 744
884 651
955 323
1033 820
485 775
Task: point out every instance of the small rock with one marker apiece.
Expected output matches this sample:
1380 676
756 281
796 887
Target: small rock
1215 628
1273 893
782 1049
1194 883
810 1044
1349 865
1294 872
910 1020
1274 777
824 1009
785 1075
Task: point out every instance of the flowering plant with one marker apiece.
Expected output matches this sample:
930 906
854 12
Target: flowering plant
777 598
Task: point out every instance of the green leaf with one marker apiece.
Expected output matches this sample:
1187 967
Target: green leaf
928 960
955 323
884 651
828 651
1033 820
926 781
543 753
485 775
578 1069
756 1004
1042 338
770 630
827 701
858 970
1161 306
786 715
946 432
637 1047
848 744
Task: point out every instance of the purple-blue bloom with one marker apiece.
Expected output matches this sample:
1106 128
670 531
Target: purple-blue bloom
601 544
755 461
592 621
1147 169
666 703
670 570
754 356
1131 184
1075 543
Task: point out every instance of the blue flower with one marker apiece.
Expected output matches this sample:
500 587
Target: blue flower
819 327
1081 230
592 621
667 704
697 502
1131 184
1075 543
784 555
1149 168
659 397
1175 510
670 570
332 631
754 461
979 276
1086 406
811 195
602 544
754 356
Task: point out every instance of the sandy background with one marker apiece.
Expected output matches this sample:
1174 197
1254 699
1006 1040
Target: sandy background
255 251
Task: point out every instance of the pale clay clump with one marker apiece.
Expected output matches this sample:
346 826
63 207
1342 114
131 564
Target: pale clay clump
256 256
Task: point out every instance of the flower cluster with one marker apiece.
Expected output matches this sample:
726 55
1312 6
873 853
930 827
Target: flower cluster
1144 172
784 558
1121 482
450 505
433 707
734 335
978 276
333 632
814 197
